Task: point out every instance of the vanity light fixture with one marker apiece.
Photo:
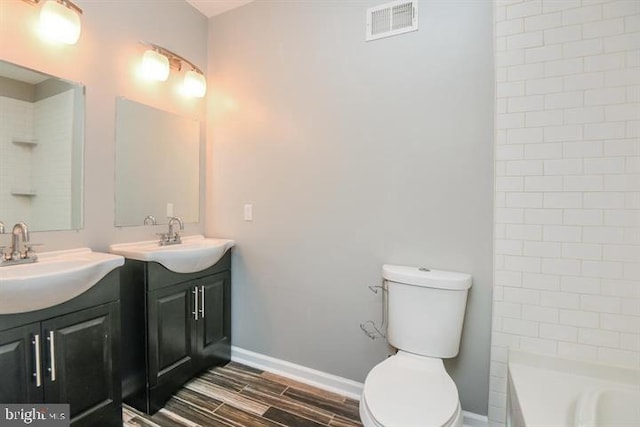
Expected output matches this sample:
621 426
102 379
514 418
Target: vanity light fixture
59 20
157 62
194 84
155 66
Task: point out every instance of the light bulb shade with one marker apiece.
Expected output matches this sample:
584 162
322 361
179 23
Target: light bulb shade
59 22
194 84
155 66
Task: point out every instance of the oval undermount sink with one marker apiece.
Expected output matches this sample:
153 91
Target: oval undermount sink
57 277
195 253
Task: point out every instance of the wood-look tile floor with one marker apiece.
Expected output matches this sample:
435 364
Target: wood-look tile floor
236 395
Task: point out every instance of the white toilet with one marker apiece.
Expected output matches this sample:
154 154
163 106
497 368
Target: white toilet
425 315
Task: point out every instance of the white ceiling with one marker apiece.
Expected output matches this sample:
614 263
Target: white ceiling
211 8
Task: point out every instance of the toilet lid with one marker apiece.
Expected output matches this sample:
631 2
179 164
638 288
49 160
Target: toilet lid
409 390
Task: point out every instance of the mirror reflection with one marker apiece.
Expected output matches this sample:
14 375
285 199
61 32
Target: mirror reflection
41 149
157 165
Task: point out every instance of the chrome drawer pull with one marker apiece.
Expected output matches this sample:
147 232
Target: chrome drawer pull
202 302
36 349
195 303
52 351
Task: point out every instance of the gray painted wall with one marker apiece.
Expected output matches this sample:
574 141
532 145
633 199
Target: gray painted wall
354 154
106 60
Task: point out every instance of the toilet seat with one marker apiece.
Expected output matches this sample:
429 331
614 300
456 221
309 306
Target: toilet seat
410 390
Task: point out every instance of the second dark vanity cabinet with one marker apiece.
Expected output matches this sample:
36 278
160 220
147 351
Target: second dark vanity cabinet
213 332
174 326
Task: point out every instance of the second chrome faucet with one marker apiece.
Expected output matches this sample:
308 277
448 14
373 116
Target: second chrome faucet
173 236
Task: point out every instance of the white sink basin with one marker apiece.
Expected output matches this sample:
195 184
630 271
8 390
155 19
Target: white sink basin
56 277
195 253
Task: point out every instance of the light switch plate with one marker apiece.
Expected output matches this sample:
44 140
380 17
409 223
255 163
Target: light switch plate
248 212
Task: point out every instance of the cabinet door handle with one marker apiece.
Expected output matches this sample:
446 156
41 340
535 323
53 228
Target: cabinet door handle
36 350
202 302
52 354
195 303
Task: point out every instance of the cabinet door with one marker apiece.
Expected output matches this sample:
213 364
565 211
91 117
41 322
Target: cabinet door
213 338
171 325
82 363
18 359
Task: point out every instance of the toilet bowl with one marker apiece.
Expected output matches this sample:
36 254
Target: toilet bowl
409 390
425 311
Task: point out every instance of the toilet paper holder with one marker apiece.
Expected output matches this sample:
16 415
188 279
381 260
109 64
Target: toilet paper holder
369 327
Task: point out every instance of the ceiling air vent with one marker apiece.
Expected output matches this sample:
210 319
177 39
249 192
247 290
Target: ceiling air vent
391 19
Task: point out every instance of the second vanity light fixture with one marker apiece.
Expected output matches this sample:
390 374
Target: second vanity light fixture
59 20
157 62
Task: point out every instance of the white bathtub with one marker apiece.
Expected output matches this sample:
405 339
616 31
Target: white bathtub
608 407
550 391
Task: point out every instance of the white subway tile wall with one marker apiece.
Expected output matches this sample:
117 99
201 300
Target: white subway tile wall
16 124
52 162
44 168
567 216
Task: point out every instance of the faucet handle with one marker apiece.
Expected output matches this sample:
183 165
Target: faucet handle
28 250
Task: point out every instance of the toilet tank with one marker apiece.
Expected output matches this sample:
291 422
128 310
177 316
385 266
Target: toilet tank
425 309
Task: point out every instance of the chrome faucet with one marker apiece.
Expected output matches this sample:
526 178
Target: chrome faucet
19 230
15 255
172 237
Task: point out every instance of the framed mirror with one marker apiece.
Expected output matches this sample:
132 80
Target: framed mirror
157 170
41 149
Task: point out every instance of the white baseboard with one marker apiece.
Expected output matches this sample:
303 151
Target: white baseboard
323 380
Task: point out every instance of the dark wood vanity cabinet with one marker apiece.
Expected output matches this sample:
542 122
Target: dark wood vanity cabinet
83 356
213 331
67 354
174 326
18 364
171 334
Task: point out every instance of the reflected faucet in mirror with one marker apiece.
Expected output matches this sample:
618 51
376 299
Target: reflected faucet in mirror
173 236
15 255
150 220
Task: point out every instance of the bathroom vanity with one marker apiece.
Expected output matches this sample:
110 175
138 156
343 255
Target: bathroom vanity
174 326
67 353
